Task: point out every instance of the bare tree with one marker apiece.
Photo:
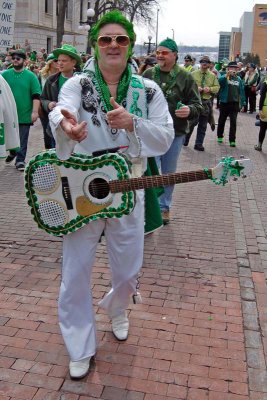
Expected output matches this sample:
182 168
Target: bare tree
61 15
138 10
141 11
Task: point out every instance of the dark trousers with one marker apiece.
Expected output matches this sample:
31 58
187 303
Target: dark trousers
49 141
24 131
262 132
203 120
192 124
250 99
228 110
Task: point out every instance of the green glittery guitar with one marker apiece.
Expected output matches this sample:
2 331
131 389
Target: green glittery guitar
64 195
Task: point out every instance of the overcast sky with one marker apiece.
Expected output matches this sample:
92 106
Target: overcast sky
197 22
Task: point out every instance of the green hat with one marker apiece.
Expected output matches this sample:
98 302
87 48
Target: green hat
51 56
69 50
170 44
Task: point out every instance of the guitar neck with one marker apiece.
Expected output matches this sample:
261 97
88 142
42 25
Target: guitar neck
145 182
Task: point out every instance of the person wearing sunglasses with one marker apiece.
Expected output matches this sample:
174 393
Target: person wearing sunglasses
26 90
208 86
106 107
180 91
63 61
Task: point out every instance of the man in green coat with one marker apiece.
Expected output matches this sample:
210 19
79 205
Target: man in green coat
181 93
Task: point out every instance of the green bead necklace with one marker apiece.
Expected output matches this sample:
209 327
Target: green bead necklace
166 87
103 89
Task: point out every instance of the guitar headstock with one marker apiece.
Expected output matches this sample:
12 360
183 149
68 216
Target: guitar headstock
231 168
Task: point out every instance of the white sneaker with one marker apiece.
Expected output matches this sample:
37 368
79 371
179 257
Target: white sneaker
78 369
120 326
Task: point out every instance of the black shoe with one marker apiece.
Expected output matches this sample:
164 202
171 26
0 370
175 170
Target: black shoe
186 143
10 158
199 147
212 127
258 147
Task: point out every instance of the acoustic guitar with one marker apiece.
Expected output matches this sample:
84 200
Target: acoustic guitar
64 195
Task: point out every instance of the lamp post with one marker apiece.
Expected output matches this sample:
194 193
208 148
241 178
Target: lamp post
172 33
157 28
149 43
86 25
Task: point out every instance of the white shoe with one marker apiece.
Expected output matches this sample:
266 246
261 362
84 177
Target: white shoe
78 369
120 326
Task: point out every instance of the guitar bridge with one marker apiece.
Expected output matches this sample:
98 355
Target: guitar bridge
66 192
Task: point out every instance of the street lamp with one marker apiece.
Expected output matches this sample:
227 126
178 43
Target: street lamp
149 43
86 25
90 13
157 28
172 33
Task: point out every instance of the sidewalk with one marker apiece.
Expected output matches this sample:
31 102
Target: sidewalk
201 332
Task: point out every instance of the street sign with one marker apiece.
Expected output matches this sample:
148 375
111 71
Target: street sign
7 18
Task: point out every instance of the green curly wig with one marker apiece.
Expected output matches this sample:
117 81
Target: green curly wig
112 17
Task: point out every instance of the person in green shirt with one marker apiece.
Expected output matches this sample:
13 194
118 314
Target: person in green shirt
26 90
232 100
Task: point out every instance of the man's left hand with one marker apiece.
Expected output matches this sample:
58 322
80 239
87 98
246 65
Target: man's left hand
183 112
119 118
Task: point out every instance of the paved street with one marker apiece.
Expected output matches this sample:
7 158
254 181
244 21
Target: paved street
201 332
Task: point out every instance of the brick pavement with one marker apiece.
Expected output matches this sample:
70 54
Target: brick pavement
201 330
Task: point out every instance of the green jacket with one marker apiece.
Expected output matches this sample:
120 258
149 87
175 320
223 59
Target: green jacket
185 91
237 87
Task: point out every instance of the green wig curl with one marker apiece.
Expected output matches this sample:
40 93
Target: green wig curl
112 17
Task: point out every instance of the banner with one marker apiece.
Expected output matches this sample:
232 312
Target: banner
78 41
7 18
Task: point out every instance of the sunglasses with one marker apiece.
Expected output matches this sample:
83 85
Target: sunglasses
163 52
120 40
16 58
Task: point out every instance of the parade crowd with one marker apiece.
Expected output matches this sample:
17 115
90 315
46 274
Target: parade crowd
149 106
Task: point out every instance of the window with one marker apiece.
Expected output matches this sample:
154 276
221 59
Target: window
69 9
49 6
49 44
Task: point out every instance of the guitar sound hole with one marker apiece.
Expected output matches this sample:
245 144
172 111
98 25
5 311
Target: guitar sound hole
98 188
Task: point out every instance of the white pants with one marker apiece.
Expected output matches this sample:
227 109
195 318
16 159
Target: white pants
125 245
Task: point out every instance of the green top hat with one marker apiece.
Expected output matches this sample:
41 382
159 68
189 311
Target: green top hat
69 50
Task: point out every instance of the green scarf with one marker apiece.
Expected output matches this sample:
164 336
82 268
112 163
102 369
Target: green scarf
103 89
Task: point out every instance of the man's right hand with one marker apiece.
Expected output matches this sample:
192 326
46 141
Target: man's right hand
71 127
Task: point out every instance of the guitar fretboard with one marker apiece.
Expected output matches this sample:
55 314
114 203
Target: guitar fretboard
145 182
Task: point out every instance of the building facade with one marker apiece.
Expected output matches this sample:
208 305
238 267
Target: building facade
224 45
36 21
252 35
